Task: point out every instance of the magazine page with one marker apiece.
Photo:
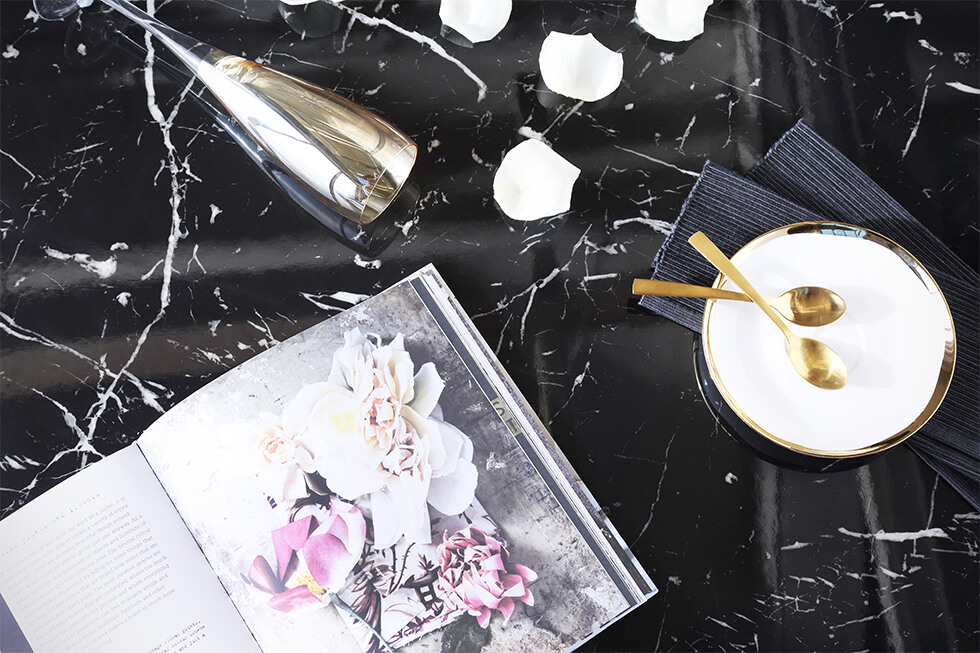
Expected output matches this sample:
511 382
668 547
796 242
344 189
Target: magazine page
103 563
360 468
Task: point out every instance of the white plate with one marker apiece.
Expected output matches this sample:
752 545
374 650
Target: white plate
896 338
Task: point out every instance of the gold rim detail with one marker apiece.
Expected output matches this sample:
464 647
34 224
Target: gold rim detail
852 231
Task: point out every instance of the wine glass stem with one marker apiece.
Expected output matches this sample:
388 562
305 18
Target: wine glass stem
191 51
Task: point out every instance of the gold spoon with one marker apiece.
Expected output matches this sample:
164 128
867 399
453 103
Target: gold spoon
807 305
812 359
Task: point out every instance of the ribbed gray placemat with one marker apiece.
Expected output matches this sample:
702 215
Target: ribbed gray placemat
802 178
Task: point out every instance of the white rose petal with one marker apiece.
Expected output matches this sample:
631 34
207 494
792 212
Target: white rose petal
346 475
453 442
356 349
428 389
398 365
533 182
477 20
400 509
277 461
466 453
349 467
578 66
672 20
454 484
428 430
296 414
453 494
293 486
386 520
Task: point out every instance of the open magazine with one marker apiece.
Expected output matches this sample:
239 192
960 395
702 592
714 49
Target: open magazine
373 483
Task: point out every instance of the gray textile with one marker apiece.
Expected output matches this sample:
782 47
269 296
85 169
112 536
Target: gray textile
803 177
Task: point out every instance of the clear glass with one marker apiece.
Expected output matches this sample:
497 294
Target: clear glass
349 158
342 152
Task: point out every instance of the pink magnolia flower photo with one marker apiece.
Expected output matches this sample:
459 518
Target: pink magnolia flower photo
313 558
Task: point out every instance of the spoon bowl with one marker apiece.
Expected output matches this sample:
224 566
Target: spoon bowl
817 363
810 305
807 305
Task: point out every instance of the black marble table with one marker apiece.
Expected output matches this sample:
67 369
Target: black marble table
144 254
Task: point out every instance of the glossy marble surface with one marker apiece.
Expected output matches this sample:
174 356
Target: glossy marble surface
144 254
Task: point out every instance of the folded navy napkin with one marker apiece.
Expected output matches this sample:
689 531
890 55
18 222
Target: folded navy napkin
803 178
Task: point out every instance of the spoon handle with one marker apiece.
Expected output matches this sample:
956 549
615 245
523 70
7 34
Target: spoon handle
710 251
672 289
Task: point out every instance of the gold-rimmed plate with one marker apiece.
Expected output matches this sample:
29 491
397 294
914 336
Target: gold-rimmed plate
896 338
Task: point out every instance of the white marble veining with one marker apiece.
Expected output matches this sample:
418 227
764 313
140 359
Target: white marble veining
143 255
